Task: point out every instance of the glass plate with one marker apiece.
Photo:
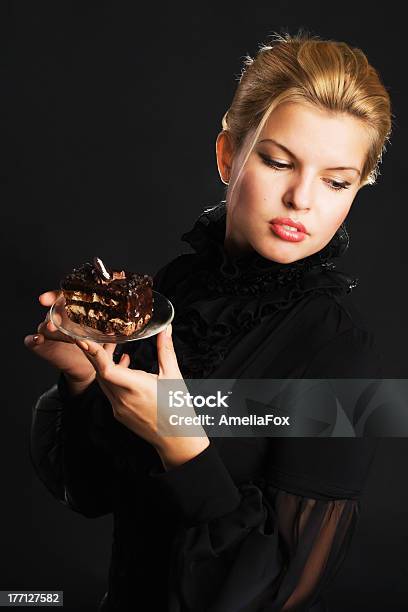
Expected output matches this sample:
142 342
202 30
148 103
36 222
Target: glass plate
163 313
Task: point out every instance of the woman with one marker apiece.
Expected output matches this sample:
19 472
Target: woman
235 524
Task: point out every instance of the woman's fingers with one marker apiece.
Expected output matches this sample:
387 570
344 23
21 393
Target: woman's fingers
109 348
33 340
103 363
50 332
124 360
46 328
48 297
51 327
96 354
46 325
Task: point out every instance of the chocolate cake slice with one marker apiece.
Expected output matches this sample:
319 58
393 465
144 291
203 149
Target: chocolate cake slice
110 301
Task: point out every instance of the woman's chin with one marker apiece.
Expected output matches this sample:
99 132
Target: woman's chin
284 256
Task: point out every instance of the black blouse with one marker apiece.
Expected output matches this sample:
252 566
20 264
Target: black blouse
250 524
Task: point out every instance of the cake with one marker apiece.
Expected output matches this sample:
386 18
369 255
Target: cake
111 301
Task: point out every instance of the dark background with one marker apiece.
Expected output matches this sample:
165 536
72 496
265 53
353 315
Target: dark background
114 112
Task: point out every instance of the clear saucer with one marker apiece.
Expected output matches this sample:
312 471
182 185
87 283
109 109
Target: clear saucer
163 314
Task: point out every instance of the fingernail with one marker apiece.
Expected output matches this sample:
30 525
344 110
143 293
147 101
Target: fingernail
35 338
83 345
168 330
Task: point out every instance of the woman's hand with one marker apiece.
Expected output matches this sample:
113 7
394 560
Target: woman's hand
133 396
57 348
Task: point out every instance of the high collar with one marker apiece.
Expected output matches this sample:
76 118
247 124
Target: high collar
218 297
207 238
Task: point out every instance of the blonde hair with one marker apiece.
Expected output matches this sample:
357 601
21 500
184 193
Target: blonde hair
328 74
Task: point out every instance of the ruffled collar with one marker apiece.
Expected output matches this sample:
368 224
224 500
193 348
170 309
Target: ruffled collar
219 299
252 273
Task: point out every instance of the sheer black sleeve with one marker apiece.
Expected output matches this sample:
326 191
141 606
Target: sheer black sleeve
244 546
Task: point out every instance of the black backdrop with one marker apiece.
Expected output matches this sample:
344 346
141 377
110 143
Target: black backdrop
114 111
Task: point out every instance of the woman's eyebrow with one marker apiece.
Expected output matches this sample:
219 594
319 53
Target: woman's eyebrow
281 146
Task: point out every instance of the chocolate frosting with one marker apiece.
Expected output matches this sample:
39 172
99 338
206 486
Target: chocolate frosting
88 276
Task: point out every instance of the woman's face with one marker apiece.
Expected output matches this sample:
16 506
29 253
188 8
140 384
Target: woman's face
309 174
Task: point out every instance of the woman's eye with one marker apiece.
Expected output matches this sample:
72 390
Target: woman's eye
272 163
338 186
335 185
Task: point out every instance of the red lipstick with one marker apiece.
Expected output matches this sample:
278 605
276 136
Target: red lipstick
285 233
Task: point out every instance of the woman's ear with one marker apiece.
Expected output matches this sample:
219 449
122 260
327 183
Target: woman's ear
224 152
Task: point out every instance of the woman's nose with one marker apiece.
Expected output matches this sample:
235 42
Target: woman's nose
299 194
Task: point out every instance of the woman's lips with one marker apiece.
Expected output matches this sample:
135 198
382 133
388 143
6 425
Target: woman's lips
287 234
